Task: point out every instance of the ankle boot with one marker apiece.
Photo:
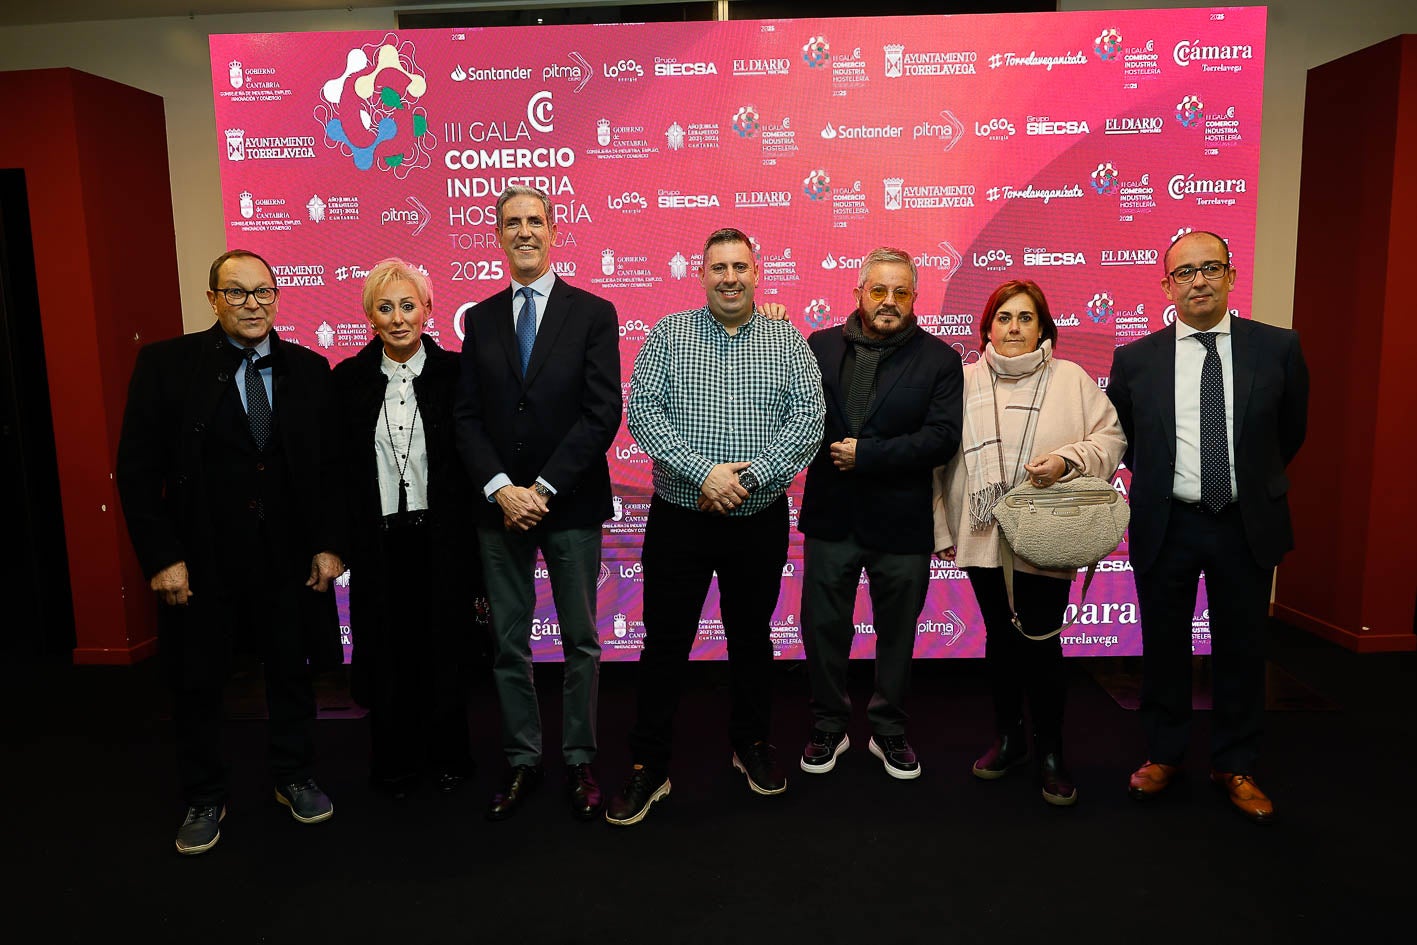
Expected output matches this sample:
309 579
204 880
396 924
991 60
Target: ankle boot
1010 749
1058 788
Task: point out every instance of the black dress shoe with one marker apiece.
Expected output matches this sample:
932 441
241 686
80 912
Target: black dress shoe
582 792
450 781
521 782
395 787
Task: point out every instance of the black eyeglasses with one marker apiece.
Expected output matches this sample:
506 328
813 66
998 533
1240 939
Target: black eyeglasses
265 295
1183 275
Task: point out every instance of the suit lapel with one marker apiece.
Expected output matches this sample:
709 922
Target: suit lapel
216 367
503 329
1164 368
1242 365
831 379
891 370
558 308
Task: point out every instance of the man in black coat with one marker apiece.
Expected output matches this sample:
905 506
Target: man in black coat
894 404
222 471
538 406
1214 407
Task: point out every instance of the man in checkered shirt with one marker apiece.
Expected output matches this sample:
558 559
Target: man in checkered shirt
729 406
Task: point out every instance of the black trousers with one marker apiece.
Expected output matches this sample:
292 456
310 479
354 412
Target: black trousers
1018 666
1237 591
683 548
899 583
417 708
198 708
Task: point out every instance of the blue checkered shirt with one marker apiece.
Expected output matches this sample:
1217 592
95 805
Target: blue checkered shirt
700 396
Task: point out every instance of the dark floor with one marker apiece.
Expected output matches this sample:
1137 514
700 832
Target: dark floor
848 857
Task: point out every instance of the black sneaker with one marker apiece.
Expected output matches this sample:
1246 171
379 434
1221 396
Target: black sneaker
759 763
896 755
819 756
642 788
201 829
308 804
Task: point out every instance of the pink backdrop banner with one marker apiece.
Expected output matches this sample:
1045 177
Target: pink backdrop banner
1068 148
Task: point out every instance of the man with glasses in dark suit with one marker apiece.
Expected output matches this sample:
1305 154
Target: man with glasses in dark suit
223 471
1214 408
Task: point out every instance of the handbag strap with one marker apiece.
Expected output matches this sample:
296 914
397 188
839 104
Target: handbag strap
1006 557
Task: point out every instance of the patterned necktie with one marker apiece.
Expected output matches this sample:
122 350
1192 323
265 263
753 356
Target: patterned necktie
1215 439
526 325
258 405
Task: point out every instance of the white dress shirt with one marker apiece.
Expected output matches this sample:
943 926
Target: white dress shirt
398 436
1190 358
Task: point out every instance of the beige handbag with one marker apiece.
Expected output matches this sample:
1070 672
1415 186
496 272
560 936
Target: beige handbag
1066 527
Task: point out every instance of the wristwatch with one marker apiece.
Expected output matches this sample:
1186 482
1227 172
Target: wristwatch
542 491
748 480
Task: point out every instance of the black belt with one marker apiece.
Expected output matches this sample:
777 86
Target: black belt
401 520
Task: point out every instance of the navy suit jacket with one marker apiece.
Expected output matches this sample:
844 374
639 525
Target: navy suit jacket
559 421
911 426
1271 402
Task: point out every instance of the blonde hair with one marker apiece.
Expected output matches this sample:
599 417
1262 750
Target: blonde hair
388 271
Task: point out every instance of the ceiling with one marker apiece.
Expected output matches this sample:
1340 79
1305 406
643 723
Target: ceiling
28 12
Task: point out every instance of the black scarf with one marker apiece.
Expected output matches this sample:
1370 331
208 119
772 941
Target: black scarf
863 360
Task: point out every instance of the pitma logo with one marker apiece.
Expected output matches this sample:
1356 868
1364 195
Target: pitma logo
1104 179
1189 111
745 121
1107 45
1100 308
816 52
371 111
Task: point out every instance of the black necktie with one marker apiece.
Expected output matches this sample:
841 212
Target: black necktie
1215 439
258 405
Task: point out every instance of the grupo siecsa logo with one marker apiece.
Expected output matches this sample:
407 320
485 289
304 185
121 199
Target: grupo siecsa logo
371 111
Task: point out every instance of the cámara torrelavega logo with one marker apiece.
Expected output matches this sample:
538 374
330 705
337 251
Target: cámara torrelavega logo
1189 111
816 52
371 111
1107 45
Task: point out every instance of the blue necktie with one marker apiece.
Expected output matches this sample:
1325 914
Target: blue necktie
526 326
1215 439
258 406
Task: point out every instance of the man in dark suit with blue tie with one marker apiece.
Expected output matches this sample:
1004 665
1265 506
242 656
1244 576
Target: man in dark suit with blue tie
538 406
223 471
1214 407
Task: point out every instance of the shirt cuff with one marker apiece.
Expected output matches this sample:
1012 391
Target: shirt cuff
495 483
546 484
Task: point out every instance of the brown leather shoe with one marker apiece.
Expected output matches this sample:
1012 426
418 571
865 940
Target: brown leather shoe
1246 795
1151 779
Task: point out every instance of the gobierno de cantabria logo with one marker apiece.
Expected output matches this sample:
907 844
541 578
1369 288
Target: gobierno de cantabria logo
371 113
